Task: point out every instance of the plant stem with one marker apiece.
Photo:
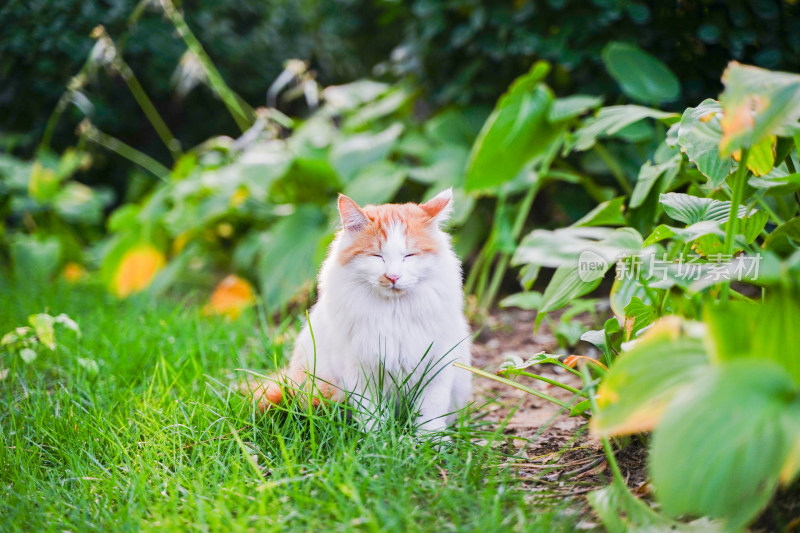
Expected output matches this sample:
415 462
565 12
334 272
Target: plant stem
519 222
148 108
790 163
733 215
773 215
240 111
502 263
516 385
615 168
609 451
564 386
128 152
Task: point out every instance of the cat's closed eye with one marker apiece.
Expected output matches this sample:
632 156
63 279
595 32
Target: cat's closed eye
408 255
378 256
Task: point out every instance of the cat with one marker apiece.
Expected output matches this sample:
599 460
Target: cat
389 300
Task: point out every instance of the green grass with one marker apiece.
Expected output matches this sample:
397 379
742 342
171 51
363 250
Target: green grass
155 440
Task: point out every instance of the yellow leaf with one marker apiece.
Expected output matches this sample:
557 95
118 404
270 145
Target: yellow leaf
136 269
43 184
762 156
181 241
73 272
239 197
232 296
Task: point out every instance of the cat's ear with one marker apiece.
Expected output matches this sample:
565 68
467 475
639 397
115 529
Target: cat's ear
353 218
440 206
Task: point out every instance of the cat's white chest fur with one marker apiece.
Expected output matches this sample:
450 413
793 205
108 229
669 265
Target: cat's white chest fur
398 310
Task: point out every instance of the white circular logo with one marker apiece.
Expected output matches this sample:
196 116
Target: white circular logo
591 266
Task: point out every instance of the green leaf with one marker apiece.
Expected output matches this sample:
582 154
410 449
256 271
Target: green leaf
572 106
90 365
767 331
699 135
777 182
691 209
376 183
687 234
638 315
35 256
757 104
622 512
28 355
390 102
608 213
788 230
565 247
523 300
610 120
43 326
580 408
753 224
515 133
288 257
641 76
351 95
636 392
722 444
565 285
623 291
451 127
352 154
648 176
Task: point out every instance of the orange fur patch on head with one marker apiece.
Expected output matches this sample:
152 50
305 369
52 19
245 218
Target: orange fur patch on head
415 218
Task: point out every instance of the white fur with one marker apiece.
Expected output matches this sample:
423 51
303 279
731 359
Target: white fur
357 323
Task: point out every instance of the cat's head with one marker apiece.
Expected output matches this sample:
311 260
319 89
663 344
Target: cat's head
394 247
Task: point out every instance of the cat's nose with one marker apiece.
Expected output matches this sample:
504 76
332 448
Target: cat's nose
393 278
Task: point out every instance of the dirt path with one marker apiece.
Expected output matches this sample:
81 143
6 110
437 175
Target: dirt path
553 453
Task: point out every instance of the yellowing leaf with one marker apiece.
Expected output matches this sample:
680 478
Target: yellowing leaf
181 241
136 269
43 183
232 296
239 197
762 156
43 326
635 393
73 272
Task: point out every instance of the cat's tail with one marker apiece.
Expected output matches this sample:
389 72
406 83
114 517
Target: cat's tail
274 389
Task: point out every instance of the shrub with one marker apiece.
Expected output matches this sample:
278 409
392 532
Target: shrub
470 50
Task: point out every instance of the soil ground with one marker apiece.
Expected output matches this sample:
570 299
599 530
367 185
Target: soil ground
553 453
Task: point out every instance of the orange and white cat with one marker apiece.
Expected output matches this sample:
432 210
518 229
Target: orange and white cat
390 295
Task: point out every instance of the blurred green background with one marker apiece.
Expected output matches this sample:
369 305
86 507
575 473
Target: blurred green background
97 130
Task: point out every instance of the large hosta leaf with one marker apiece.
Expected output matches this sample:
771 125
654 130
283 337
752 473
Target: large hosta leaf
608 213
572 106
610 120
699 135
767 331
789 230
352 154
757 103
648 176
515 133
565 285
691 209
564 247
635 393
290 254
641 76
723 444
376 183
